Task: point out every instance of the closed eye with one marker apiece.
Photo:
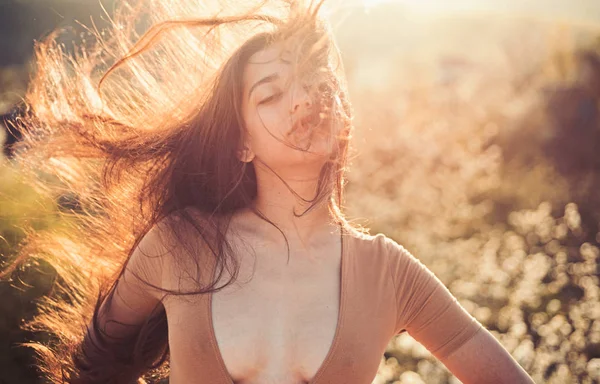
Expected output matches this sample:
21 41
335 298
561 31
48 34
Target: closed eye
271 98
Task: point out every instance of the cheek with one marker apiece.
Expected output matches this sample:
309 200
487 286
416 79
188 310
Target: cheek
274 119
267 127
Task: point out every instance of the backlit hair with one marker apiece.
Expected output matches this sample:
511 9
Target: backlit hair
141 131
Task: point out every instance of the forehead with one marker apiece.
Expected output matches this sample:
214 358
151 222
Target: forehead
274 58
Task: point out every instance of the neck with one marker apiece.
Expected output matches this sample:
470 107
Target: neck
279 204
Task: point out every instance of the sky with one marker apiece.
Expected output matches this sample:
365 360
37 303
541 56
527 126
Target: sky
575 10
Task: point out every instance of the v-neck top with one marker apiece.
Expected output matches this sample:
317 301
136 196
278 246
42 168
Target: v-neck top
384 290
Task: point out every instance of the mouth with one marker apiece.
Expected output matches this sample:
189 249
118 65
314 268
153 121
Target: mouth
306 124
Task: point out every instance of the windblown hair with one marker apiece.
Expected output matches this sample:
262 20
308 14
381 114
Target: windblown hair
140 130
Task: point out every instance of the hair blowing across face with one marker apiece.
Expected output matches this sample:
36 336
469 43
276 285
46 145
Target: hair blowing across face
141 130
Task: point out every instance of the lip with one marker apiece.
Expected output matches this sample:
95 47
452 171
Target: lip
304 124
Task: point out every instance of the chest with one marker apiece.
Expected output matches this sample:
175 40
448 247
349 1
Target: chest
275 324
280 325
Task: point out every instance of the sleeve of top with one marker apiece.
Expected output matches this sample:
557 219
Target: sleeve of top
425 307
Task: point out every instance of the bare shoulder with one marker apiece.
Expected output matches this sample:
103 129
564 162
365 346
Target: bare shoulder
179 241
159 241
174 230
157 250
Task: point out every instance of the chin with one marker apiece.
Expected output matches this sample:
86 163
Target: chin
313 159
320 147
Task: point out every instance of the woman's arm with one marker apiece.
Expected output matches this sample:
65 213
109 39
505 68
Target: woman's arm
482 359
107 352
432 316
134 296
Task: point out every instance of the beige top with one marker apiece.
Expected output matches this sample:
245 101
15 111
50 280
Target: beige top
384 290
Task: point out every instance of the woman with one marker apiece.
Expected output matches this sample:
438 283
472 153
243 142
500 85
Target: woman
217 236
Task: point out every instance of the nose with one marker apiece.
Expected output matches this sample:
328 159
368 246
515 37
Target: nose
301 98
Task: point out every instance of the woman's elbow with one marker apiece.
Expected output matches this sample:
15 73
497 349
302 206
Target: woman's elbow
483 359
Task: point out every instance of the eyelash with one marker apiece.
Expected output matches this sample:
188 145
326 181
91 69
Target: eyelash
271 98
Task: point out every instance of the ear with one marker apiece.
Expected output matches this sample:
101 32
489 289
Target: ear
245 155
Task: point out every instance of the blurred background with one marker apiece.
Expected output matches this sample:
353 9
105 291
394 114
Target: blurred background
477 147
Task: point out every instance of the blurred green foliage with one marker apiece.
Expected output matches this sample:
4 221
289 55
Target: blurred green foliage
21 207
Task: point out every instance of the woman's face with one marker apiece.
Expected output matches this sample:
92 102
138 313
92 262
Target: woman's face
283 113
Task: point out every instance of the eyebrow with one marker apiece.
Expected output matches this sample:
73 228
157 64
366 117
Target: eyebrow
266 79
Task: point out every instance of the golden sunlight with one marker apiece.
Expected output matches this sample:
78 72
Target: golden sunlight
474 136
435 6
586 11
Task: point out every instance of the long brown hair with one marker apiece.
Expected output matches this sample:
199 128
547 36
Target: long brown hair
152 141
